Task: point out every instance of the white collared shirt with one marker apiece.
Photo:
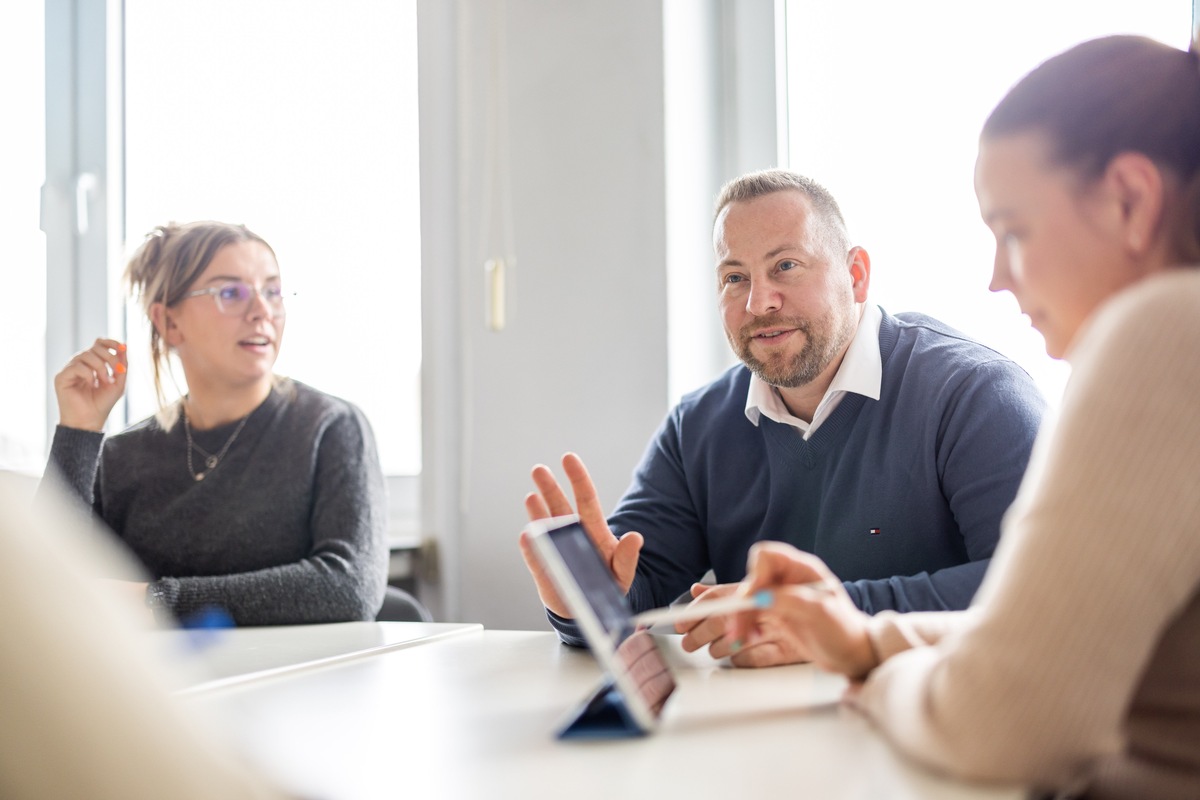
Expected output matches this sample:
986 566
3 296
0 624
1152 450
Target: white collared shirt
861 372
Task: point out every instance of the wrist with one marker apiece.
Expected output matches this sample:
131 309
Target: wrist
91 426
866 657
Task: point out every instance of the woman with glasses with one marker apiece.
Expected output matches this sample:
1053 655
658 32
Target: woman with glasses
1077 668
252 495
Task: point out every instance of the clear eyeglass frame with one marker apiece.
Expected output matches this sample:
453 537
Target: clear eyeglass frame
233 298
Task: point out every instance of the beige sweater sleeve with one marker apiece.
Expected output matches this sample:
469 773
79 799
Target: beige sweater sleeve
1098 556
87 709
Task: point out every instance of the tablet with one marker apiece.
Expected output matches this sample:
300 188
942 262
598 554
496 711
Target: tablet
638 680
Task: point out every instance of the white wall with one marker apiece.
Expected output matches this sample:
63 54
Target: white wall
582 362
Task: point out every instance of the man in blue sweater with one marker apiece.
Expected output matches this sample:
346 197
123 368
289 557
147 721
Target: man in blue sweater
890 446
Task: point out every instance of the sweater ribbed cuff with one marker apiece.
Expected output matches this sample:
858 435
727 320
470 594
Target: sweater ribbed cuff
161 597
568 632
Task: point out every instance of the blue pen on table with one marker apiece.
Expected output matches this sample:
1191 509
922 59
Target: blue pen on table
711 608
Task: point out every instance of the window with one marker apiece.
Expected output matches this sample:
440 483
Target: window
23 314
301 122
885 104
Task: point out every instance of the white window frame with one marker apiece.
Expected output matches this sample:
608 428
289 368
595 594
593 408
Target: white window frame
81 198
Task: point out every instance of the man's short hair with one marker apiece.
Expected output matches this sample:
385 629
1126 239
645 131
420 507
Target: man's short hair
770 181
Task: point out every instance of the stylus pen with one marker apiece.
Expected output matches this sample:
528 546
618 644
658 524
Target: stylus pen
712 608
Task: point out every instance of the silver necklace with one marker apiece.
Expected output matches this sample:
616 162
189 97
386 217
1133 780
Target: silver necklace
210 460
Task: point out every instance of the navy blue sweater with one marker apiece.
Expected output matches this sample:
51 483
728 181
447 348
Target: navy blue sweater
901 497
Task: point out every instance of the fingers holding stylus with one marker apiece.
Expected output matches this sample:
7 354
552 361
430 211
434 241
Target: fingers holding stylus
810 603
698 633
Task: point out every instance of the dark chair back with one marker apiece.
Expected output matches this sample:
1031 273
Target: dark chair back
400 606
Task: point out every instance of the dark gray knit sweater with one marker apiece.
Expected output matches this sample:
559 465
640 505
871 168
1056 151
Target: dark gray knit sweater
287 529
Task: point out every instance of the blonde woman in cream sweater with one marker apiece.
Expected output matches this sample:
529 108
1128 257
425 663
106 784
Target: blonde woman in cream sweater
1077 668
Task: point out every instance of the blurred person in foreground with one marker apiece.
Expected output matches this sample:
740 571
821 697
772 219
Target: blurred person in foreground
87 710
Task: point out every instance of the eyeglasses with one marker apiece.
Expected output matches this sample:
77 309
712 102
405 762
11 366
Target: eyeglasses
233 299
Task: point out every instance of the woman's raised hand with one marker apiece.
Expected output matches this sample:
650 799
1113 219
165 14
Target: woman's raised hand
90 384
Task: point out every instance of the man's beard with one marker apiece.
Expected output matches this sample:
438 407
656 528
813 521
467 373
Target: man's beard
821 347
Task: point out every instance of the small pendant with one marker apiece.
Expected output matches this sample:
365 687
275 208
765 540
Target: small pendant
200 476
211 461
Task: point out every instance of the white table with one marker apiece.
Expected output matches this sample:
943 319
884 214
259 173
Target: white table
218 658
472 715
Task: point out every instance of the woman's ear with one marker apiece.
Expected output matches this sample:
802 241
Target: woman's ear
1138 186
161 319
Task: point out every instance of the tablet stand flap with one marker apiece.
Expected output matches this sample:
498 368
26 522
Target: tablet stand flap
604 715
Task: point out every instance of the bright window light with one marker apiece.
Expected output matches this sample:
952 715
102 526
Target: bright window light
299 120
885 104
23 305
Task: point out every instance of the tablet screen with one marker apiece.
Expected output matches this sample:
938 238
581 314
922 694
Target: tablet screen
634 652
594 580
